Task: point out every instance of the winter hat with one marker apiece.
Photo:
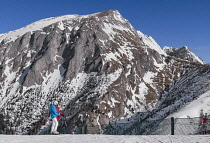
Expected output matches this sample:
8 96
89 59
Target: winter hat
55 102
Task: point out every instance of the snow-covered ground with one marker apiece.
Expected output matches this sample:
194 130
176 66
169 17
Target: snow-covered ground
194 108
102 139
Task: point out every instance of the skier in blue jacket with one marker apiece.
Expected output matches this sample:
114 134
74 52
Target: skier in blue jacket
54 114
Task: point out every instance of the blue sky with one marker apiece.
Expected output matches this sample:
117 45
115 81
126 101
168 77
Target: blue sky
174 23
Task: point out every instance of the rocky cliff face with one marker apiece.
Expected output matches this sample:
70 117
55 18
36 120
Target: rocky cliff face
98 67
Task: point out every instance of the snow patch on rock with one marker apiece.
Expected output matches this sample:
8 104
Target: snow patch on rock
52 80
149 42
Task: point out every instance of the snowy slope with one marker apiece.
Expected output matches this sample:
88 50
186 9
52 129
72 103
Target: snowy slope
193 109
149 42
104 139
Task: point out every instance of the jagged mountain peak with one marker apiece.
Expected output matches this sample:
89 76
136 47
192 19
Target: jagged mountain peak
172 49
183 53
108 12
185 48
169 49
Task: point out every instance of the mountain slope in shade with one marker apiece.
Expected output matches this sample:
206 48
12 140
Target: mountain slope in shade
97 66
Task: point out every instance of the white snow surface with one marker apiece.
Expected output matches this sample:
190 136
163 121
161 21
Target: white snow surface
194 108
149 42
148 77
52 80
102 139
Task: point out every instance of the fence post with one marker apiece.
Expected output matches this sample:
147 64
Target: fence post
110 131
172 125
138 127
85 129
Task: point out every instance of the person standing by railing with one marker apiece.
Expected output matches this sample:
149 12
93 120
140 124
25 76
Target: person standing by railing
54 114
203 122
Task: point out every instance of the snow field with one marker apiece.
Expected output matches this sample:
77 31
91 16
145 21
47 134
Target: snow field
194 108
102 139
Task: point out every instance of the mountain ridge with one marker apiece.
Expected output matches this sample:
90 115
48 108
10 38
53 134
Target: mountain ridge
183 53
40 24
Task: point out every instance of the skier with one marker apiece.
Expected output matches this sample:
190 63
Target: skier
54 114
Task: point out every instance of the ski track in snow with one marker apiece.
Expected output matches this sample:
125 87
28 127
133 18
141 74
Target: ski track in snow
102 139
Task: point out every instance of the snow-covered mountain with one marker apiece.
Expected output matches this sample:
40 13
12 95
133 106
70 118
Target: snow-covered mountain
97 66
149 42
38 25
183 53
